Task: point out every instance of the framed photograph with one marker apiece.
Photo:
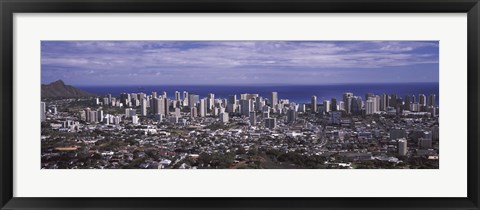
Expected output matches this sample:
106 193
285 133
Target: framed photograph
239 104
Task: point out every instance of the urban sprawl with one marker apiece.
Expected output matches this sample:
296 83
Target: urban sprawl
246 131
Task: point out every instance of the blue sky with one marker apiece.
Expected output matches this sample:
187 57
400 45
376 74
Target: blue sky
98 63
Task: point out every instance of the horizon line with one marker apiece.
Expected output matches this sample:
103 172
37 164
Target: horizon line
249 84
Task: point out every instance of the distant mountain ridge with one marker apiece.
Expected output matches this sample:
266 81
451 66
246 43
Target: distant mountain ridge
58 89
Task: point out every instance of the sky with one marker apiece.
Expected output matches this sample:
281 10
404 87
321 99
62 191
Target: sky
116 63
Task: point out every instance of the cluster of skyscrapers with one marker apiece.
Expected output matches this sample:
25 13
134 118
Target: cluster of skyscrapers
355 105
250 105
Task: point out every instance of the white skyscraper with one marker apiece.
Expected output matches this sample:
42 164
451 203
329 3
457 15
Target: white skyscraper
143 107
314 104
326 106
370 107
274 99
202 108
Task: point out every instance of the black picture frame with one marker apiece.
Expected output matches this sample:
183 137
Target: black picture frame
10 7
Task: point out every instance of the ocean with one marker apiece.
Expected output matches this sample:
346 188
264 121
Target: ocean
295 93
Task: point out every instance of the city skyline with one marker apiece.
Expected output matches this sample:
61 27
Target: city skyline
252 131
96 63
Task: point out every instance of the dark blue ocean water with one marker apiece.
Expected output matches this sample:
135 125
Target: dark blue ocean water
295 93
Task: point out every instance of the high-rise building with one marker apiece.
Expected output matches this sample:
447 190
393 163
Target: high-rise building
326 106
245 105
193 112
422 100
369 107
211 101
232 103
87 114
333 106
154 94
125 99
314 104
274 100
232 99
246 96
383 102
192 100
402 146
356 105
143 107
377 100
185 98
393 100
166 105
109 99
202 108
43 110
291 115
347 102
158 106
93 116
259 103
177 96
408 102
100 115
431 100
253 118
301 108
341 106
